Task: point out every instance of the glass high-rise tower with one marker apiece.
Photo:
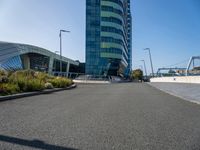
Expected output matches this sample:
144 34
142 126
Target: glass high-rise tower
108 37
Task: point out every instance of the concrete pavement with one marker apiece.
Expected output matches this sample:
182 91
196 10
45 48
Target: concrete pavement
187 91
130 116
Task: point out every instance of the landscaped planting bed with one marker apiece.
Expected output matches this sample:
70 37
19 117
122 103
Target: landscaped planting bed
29 81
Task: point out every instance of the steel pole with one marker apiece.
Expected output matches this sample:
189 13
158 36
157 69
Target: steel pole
150 60
151 63
61 48
145 67
60 52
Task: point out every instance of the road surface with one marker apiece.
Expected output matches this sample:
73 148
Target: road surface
129 116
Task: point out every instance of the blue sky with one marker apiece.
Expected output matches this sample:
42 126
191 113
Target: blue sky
171 28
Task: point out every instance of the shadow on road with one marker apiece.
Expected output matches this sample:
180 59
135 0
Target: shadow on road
34 143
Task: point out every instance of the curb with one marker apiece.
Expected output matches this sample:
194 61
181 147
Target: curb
21 95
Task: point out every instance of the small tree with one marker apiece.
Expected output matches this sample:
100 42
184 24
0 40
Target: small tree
137 74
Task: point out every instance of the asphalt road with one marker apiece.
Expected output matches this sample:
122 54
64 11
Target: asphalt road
130 116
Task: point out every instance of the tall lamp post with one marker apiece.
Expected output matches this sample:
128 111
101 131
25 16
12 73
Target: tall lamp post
145 67
148 49
60 35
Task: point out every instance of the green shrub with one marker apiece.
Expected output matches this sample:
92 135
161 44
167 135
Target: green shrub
10 73
8 88
34 85
3 73
18 79
137 74
3 76
29 85
43 76
23 73
26 73
4 79
48 86
29 80
60 82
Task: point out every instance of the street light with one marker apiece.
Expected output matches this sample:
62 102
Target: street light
144 67
60 35
148 49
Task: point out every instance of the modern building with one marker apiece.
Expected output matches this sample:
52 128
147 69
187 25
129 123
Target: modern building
108 37
15 56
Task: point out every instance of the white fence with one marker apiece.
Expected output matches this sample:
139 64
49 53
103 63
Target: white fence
182 79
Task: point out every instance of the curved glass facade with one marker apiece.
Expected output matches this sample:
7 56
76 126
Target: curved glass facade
13 63
21 56
108 37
